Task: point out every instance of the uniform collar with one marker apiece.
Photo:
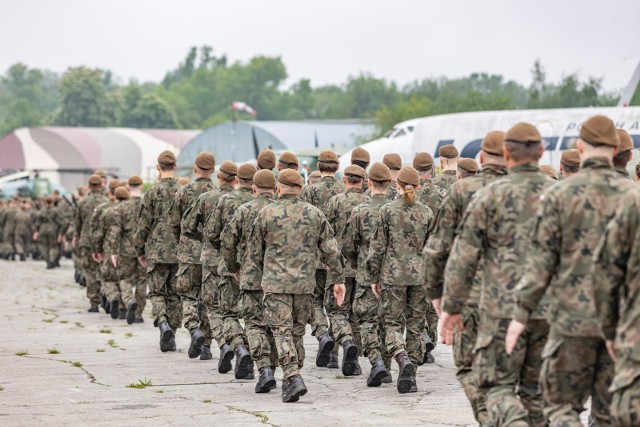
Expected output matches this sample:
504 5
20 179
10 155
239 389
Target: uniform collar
494 170
328 178
202 178
596 163
378 196
354 190
525 167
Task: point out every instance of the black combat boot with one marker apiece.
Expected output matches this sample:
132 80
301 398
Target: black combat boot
205 353
56 262
166 337
123 314
414 386
358 370
197 339
294 389
23 257
83 281
93 309
349 358
428 358
333 360
226 355
406 370
113 307
50 265
131 312
252 374
325 345
428 343
388 379
76 276
139 320
104 304
266 380
243 362
378 372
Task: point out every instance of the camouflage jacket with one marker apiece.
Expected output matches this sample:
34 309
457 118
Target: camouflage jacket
624 172
493 239
430 194
616 277
156 237
82 217
23 223
189 249
358 232
48 222
395 253
446 180
448 218
392 192
101 220
338 210
285 241
234 241
120 235
568 227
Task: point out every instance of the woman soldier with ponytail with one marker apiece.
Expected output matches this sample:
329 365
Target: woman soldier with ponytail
393 266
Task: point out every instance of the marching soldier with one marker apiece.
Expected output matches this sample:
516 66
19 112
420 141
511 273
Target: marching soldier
394 163
550 172
47 229
360 157
569 163
24 232
449 163
623 157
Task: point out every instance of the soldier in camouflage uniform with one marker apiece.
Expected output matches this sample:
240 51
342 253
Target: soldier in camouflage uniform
47 229
449 163
318 195
493 238
24 231
360 157
568 227
394 265
189 284
625 153
156 241
229 287
193 223
394 163
344 324
266 160
436 254
233 248
355 239
284 244
8 230
569 163
615 274
82 239
314 177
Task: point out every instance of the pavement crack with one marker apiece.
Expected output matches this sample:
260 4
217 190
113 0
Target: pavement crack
92 378
259 415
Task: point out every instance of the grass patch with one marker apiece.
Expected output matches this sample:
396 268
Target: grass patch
105 331
77 364
100 350
47 320
144 383
53 351
112 343
342 377
22 353
64 321
79 325
159 391
206 401
1 388
129 334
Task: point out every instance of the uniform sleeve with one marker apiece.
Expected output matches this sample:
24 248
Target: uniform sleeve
329 252
96 231
145 223
377 249
213 226
256 247
229 242
77 222
112 240
191 219
178 205
351 239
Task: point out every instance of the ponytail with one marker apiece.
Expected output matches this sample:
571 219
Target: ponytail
409 193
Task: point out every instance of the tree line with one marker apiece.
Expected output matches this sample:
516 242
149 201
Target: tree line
198 93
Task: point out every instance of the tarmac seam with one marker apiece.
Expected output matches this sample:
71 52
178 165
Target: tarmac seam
259 415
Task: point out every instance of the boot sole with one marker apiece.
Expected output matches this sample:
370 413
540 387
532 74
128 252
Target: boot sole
195 348
243 367
376 380
115 312
404 378
322 359
224 365
349 361
165 341
131 313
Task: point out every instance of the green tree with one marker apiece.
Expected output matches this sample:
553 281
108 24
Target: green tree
145 110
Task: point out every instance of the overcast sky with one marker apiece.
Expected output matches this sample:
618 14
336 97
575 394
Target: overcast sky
329 40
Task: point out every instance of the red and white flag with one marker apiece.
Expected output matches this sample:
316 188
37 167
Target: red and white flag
242 106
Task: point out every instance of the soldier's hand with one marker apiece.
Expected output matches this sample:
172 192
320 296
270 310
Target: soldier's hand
437 306
96 257
143 261
339 292
375 288
513 334
449 323
237 276
74 241
611 349
60 238
114 260
35 236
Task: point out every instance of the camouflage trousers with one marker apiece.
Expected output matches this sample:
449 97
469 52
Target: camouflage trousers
287 316
189 286
343 322
404 307
229 307
573 369
625 405
22 244
261 343
90 269
372 333
319 322
513 394
431 319
110 287
210 296
165 301
50 247
133 283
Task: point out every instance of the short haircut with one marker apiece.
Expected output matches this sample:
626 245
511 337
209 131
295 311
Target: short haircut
380 185
570 169
166 167
621 159
353 180
285 165
245 182
521 152
363 165
225 176
465 173
330 167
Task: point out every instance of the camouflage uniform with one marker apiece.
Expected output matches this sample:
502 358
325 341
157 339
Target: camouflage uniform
284 244
8 231
493 240
48 226
568 227
624 172
617 288
157 239
446 179
436 252
23 233
101 222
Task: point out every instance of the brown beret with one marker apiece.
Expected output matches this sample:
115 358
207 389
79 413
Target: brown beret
229 168
379 172
95 180
423 162
183 180
626 143
267 159
355 171
448 151
359 154
570 158
135 180
289 158
523 133
328 156
290 177
469 165
599 130
51 199
246 171
408 175
206 160
122 193
114 183
393 161
167 158
549 171
493 142
264 178
315 174
101 174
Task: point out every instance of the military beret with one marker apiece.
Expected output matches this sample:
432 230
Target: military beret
264 178
599 130
409 176
493 142
328 156
359 154
570 158
469 165
355 171
206 160
315 174
290 177
95 180
423 162
101 174
549 171
393 161
114 183
122 193
246 171
135 180
289 158
448 151
183 180
523 133
267 159
229 168
626 143
167 158
51 199
379 172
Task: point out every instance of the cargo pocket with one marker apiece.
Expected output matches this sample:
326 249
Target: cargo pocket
551 386
206 294
485 359
360 308
183 282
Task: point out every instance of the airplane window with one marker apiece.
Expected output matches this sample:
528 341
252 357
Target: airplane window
410 129
401 132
